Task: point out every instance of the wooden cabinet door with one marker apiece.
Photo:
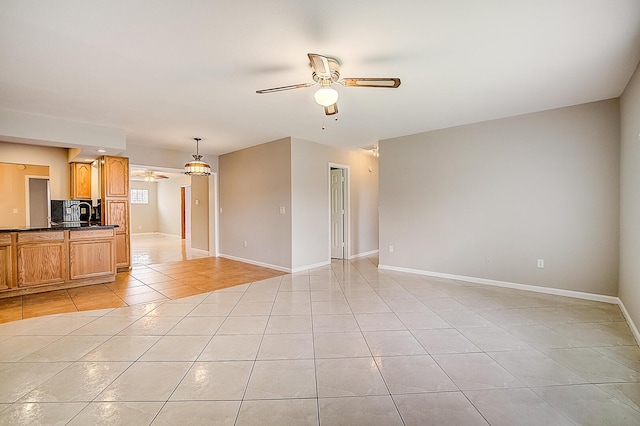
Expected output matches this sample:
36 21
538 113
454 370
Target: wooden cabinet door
122 250
89 259
116 212
115 177
5 267
42 263
80 181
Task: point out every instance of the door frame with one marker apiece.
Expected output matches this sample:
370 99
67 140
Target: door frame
347 207
27 202
183 228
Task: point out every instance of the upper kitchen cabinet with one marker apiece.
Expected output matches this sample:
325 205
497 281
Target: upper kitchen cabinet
80 174
115 177
116 205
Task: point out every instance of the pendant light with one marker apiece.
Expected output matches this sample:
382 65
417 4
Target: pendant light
197 167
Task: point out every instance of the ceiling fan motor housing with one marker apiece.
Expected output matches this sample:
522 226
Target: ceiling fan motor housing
334 67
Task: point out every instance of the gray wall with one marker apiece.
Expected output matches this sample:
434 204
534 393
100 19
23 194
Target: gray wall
200 212
253 184
310 201
169 208
629 291
144 217
486 200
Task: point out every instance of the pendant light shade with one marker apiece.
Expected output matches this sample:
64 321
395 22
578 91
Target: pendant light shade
197 167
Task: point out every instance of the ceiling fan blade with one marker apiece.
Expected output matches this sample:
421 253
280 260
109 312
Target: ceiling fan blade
320 65
331 109
370 82
280 89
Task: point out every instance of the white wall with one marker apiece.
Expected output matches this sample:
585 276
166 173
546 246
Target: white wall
487 200
144 217
310 201
32 128
254 183
629 291
169 214
167 158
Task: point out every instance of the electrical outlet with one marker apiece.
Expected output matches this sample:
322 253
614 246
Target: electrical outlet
390 249
15 211
244 244
487 258
540 263
282 210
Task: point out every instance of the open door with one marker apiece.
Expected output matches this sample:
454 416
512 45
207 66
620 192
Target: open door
337 199
39 213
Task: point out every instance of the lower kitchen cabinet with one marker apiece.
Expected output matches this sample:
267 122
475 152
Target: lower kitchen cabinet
42 258
91 254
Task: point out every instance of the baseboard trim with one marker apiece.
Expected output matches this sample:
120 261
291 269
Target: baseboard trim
155 233
307 267
632 325
201 251
253 262
365 254
168 235
506 284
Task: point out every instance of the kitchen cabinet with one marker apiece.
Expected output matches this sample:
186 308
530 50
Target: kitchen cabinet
35 261
91 253
80 174
42 258
115 177
116 207
6 261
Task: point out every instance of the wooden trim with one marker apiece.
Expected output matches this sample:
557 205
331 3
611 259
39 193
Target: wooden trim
182 213
28 237
91 234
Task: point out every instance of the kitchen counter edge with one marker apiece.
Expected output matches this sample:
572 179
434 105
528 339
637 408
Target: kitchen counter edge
82 227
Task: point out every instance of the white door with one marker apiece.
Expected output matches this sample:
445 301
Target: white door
337 213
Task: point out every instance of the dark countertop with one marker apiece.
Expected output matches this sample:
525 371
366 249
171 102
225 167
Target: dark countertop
68 226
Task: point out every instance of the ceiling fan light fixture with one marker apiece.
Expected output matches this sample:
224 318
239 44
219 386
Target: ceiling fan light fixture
197 167
326 96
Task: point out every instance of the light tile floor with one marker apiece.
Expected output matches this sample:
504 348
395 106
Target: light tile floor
346 344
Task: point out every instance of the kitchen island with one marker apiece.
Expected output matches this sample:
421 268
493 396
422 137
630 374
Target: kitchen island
38 259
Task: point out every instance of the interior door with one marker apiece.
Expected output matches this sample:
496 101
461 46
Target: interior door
39 206
337 213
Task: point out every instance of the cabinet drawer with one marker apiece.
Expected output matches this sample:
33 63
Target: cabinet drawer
28 237
5 239
91 234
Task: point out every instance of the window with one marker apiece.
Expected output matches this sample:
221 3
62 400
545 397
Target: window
139 196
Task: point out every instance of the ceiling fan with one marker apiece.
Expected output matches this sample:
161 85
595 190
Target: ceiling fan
147 175
326 71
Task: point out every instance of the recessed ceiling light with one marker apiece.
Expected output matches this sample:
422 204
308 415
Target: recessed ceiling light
101 151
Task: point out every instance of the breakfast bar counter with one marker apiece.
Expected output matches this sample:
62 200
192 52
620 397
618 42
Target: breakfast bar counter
38 259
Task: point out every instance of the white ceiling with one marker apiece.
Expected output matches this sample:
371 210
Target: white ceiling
168 71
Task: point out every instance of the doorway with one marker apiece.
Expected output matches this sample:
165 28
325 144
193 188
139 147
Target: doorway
38 205
338 200
185 212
